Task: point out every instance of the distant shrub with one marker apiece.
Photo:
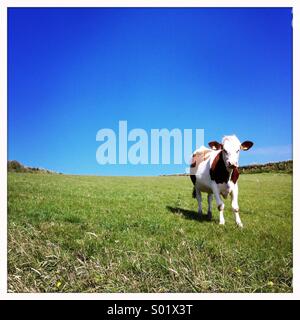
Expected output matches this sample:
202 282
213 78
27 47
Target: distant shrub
15 166
282 166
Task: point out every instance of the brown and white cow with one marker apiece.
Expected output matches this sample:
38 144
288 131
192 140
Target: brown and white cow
215 171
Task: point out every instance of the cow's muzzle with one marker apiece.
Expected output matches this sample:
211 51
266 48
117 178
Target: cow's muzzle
231 166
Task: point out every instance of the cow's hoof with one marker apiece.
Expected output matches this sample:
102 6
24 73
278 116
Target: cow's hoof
222 223
239 224
200 213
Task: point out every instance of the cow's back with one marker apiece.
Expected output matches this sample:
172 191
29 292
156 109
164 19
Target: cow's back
200 165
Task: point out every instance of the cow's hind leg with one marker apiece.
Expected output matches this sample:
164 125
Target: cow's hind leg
209 201
199 199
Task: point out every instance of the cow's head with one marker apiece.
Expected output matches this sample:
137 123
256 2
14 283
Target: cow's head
231 147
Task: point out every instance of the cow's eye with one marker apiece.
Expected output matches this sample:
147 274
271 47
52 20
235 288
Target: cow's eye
225 151
237 151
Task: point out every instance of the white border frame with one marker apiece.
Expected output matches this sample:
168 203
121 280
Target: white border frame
3 150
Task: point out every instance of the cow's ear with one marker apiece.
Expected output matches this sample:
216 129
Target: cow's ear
215 145
246 145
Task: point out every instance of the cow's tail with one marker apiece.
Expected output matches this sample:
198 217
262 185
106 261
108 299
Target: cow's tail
194 192
193 178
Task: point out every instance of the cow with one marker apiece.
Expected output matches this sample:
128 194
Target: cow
214 171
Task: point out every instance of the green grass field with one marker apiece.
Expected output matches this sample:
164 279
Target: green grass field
142 234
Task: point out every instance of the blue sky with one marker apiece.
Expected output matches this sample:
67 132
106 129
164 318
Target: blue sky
72 72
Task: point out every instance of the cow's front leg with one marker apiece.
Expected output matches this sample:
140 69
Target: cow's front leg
219 202
235 206
199 199
209 201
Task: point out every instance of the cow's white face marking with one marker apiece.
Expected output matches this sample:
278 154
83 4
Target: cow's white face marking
231 147
231 151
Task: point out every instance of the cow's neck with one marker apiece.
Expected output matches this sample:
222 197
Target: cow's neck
219 172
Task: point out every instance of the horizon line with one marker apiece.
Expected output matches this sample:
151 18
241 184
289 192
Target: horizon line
158 175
